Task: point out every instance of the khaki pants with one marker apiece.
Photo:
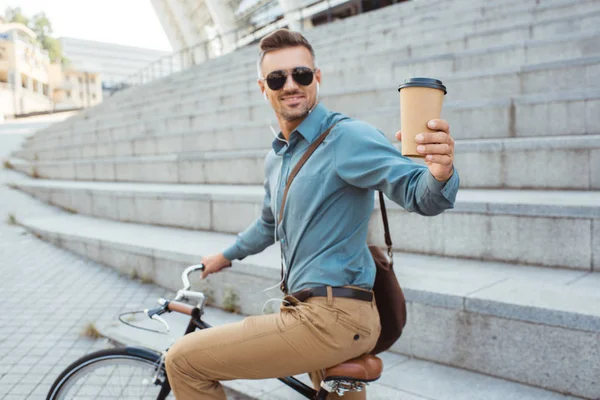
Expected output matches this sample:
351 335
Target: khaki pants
303 337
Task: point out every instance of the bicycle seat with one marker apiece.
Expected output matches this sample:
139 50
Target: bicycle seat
366 368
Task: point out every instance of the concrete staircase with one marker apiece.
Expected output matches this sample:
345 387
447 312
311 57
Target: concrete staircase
505 284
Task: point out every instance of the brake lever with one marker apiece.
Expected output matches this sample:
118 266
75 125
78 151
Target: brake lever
160 319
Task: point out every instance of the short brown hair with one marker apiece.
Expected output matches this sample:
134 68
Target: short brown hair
281 39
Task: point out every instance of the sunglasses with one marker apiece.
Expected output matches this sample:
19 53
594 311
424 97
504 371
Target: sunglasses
301 75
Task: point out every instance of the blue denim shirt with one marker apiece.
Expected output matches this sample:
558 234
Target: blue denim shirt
324 228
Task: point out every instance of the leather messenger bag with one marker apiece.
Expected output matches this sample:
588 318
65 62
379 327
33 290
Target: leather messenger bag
389 297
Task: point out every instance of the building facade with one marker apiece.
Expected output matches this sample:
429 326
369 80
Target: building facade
31 83
24 72
114 62
75 88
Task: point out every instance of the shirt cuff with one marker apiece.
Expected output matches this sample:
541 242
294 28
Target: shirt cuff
234 252
447 189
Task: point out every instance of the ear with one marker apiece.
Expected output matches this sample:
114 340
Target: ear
318 75
261 85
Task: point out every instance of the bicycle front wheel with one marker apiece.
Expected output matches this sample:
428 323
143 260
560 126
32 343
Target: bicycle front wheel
120 373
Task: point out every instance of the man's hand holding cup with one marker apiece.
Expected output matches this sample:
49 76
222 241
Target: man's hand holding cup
437 148
425 134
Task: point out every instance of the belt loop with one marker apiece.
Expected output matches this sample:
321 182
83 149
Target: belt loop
329 296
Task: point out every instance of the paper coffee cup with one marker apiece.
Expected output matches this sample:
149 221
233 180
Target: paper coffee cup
421 100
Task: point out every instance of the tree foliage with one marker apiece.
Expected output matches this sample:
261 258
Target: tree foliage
42 27
15 15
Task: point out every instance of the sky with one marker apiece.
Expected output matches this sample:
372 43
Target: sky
124 22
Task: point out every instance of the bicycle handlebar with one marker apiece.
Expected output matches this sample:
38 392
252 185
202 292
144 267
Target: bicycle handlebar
185 274
175 305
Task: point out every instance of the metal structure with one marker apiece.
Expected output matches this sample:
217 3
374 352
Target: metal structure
206 29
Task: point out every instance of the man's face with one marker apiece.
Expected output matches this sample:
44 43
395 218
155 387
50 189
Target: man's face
293 100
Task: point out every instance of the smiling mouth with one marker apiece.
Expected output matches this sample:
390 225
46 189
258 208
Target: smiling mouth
292 98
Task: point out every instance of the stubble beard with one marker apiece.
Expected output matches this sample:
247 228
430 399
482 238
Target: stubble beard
294 114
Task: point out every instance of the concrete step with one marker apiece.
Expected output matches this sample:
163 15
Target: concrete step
403 378
551 228
521 61
567 163
389 37
537 326
543 67
573 112
581 23
389 40
467 20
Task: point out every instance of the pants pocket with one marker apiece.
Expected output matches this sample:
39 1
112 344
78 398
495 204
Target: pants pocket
352 333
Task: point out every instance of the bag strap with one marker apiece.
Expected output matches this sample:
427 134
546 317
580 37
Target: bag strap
311 149
386 228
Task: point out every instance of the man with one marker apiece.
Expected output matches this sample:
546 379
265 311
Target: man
322 233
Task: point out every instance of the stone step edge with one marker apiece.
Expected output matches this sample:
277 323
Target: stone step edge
250 65
480 18
462 75
526 98
529 98
536 312
574 142
526 44
168 84
559 96
466 203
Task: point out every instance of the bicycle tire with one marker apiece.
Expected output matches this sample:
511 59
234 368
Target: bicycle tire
135 356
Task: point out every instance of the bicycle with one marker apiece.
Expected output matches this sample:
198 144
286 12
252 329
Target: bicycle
146 376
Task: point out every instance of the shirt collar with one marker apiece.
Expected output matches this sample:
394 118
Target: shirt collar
309 128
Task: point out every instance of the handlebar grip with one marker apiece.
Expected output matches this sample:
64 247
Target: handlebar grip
180 307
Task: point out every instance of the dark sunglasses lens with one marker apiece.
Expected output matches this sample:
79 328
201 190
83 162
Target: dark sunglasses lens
304 76
276 80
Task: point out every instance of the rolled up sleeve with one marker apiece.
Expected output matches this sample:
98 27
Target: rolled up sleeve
366 159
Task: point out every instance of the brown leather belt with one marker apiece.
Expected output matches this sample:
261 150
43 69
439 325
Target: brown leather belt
321 291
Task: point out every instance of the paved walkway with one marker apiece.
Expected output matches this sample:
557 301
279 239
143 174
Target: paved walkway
50 296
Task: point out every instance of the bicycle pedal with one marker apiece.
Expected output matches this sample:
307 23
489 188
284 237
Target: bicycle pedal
341 386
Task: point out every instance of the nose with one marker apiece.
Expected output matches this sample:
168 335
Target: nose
290 83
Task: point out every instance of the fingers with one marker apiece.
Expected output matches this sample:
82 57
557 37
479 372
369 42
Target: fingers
433 137
439 125
441 136
213 268
433 149
441 159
